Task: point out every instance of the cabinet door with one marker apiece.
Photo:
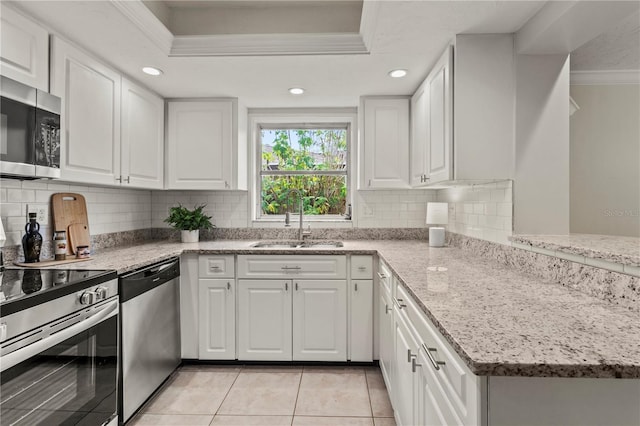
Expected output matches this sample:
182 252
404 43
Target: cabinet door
24 49
405 348
419 136
385 318
385 143
361 320
320 320
440 125
200 144
217 319
264 320
142 151
90 124
431 406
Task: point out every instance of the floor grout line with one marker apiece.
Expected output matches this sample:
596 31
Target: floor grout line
295 405
226 395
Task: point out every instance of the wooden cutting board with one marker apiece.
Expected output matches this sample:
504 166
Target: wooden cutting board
68 209
78 235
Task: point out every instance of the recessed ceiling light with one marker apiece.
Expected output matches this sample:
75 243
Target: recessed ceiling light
152 71
296 90
397 73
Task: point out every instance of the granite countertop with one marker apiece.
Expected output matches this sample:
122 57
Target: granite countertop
500 322
612 248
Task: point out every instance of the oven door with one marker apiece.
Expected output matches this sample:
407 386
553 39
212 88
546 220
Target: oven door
68 378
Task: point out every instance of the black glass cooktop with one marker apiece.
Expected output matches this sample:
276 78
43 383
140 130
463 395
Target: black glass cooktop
23 288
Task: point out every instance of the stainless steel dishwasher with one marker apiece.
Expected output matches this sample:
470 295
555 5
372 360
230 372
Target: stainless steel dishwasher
149 330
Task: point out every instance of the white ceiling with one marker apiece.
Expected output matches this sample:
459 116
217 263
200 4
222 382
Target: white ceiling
617 49
407 34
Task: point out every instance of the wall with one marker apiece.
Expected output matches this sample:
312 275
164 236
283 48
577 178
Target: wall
605 160
541 187
109 209
372 209
481 211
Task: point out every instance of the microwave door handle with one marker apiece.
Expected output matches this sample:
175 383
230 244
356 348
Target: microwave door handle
23 354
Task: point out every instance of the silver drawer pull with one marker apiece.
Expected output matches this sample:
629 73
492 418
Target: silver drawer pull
291 268
216 267
387 309
228 286
356 286
398 304
410 355
436 364
362 268
414 364
382 276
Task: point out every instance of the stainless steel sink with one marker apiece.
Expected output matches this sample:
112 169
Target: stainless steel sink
298 244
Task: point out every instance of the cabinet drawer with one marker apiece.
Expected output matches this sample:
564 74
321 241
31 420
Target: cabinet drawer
216 267
385 278
361 267
457 381
279 266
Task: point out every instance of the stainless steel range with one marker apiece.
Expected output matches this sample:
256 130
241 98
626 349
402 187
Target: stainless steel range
58 347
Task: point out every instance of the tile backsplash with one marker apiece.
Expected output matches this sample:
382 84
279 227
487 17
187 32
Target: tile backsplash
110 209
480 211
483 211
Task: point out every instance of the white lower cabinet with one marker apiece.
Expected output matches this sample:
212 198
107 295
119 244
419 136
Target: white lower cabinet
386 341
406 348
264 320
361 320
320 320
217 319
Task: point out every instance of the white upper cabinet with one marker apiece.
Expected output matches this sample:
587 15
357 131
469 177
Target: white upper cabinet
112 129
142 149
484 107
432 126
201 143
419 136
90 124
439 122
384 143
24 49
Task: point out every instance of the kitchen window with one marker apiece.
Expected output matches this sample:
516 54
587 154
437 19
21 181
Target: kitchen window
308 161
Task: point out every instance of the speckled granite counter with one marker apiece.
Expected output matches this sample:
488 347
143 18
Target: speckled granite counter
611 248
499 321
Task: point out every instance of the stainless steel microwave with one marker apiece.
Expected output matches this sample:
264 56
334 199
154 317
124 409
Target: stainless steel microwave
29 132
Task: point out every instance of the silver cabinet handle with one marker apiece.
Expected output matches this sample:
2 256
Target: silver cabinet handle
286 286
362 268
436 364
119 178
382 276
228 286
215 268
291 268
387 309
296 286
414 364
409 355
128 180
400 305
355 286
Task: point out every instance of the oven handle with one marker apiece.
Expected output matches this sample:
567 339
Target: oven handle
22 354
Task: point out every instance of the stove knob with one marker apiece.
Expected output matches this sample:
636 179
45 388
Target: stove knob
101 292
88 298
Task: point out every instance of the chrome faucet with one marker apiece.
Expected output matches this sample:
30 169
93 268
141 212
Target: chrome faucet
287 216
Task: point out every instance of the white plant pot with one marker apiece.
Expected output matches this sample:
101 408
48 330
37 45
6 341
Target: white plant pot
190 236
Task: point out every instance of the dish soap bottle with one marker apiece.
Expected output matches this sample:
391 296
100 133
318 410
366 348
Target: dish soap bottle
32 240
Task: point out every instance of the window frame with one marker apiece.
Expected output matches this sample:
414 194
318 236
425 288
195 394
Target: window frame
342 118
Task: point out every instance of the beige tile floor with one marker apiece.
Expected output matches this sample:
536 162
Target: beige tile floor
271 396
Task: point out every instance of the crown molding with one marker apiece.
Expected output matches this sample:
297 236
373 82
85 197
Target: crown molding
585 78
147 22
368 22
268 44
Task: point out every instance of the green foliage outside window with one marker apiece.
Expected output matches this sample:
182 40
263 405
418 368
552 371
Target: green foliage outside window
314 150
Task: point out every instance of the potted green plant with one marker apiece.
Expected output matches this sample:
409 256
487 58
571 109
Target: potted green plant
189 222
